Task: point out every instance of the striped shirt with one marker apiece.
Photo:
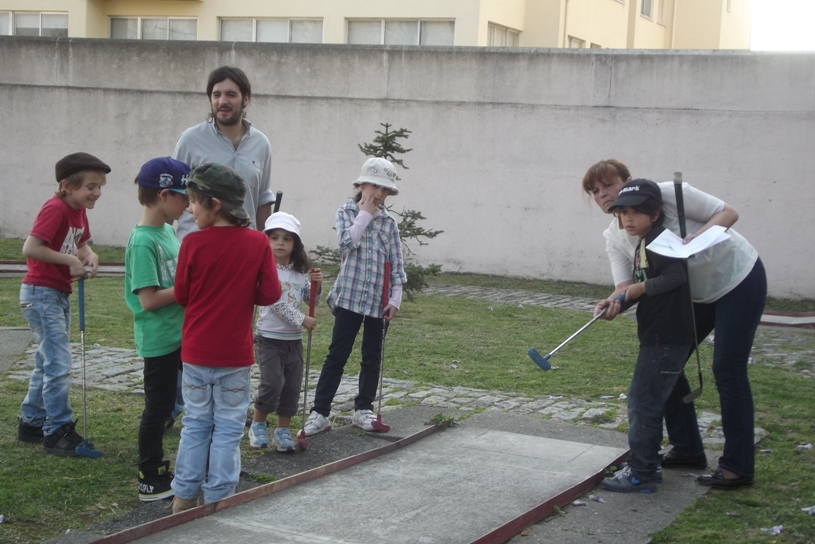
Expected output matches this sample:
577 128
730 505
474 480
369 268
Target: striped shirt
360 282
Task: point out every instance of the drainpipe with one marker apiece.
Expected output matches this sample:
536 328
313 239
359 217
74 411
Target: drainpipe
565 19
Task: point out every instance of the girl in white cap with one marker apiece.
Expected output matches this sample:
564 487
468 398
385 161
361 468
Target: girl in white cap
279 338
369 237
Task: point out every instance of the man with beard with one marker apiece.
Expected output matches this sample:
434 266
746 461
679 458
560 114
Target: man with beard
227 138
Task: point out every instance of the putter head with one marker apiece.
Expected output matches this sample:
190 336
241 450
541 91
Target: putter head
302 444
83 450
379 426
541 361
692 396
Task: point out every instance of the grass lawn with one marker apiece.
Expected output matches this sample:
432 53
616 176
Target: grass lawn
42 496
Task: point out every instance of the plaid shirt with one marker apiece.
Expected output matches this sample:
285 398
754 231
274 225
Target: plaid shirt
359 284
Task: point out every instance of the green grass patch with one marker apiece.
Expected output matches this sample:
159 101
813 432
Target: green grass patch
42 496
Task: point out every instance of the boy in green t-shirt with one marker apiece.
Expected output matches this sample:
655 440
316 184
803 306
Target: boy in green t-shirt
150 261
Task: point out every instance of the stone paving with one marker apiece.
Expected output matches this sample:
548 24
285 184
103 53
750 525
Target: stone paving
116 369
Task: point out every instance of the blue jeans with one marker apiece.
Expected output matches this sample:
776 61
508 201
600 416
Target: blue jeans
655 375
48 312
735 318
215 400
346 328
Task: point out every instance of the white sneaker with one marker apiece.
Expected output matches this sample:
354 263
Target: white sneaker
364 420
316 423
258 435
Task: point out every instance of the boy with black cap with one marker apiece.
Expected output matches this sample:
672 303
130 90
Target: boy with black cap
57 253
665 330
150 263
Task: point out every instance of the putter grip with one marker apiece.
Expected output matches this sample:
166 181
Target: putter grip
82 304
680 203
277 201
312 298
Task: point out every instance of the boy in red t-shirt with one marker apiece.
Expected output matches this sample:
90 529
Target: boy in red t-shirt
57 254
223 271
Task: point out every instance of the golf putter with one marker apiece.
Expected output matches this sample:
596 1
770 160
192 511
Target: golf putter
84 450
301 440
543 361
277 200
378 425
680 209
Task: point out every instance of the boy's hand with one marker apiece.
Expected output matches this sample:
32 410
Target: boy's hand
368 205
635 291
77 270
390 312
309 323
92 260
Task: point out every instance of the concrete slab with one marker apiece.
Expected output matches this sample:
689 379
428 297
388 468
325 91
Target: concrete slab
452 487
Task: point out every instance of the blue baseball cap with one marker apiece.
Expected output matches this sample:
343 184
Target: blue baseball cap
164 173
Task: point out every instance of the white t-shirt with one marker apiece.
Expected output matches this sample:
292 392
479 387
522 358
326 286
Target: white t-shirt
714 271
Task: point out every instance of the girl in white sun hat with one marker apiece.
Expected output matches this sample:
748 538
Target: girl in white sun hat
369 237
279 338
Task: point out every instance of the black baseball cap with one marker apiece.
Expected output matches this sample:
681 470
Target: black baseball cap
635 192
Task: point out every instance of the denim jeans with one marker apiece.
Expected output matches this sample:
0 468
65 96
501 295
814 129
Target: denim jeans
346 328
215 400
48 312
735 318
159 398
655 375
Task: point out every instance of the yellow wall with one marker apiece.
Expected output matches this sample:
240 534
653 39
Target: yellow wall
508 13
604 22
687 24
736 25
698 24
543 24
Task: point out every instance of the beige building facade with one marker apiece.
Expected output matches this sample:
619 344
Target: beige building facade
622 24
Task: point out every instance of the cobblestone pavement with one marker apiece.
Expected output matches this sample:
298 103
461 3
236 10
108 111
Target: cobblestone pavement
116 369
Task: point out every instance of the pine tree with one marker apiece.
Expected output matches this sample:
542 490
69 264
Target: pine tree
386 145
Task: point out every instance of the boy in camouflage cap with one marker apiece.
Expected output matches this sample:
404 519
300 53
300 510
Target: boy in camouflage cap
224 270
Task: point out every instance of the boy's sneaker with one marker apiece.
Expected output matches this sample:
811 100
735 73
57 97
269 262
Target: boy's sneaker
258 435
316 423
283 441
364 420
28 433
64 441
625 481
155 484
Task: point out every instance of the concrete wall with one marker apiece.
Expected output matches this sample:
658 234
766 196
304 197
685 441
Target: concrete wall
501 139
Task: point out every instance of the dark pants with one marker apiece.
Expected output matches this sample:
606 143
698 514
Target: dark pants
735 318
655 376
346 328
160 378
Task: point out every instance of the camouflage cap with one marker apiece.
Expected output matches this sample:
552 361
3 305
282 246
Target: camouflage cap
221 182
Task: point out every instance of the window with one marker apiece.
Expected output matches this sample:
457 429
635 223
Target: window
646 9
728 6
50 25
153 28
272 30
501 36
401 32
660 11
595 46
576 43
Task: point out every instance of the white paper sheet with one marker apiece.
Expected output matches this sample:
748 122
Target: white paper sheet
670 245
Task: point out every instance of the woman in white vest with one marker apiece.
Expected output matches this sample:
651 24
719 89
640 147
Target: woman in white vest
729 288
